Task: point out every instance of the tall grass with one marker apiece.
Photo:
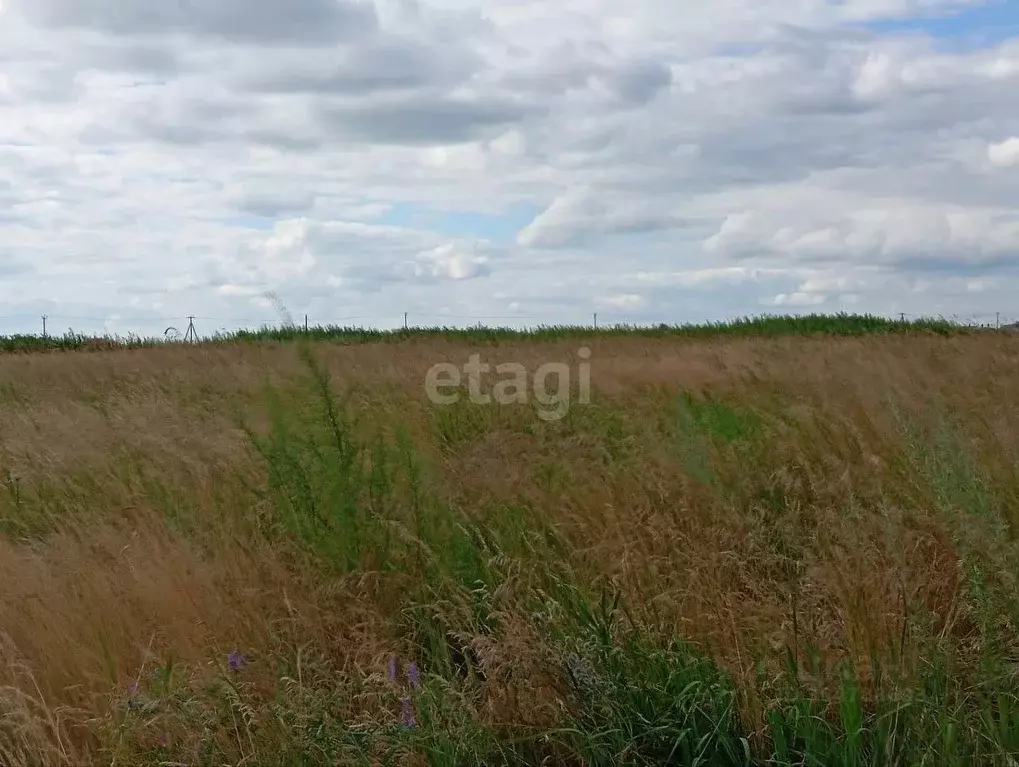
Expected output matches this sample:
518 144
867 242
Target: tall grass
746 571
762 326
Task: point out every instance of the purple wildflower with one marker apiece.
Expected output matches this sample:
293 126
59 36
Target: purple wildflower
164 741
414 676
237 661
406 713
392 668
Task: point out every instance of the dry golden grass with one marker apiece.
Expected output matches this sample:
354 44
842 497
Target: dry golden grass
134 520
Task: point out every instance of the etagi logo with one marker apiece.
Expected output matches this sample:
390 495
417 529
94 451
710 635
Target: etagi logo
513 388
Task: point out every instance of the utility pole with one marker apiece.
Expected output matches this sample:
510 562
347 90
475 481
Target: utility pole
997 320
192 334
596 320
405 327
44 326
305 324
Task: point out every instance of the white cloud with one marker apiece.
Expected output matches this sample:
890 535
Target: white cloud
357 157
836 226
826 284
624 301
1005 153
238 290
451 261
798 300
583 214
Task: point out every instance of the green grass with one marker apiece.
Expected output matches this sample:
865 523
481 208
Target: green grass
358 502
632 696
762 326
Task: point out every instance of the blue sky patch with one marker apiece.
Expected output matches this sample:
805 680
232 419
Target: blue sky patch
981 25
462 224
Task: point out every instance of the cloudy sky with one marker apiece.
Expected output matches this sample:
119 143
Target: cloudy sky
505 161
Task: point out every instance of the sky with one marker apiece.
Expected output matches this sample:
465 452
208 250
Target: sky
508 162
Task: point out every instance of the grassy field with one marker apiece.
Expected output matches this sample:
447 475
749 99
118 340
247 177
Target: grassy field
761 544
768 326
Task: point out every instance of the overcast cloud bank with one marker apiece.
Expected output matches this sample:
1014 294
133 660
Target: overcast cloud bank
653 161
